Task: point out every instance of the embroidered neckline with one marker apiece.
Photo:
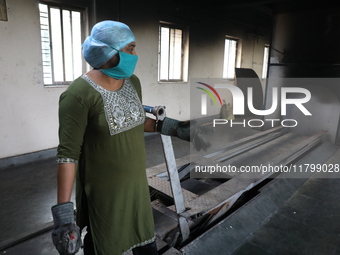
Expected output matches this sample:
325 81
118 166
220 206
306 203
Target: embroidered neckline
123 108
89 79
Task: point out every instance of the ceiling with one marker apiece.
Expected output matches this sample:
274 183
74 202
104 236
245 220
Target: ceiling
254 13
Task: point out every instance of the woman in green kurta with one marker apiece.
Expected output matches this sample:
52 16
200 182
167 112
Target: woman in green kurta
112 191
102 124
101 131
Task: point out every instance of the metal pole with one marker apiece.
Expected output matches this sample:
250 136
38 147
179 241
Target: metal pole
170 161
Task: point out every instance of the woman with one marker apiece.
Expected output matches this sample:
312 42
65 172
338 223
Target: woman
101 145
102 124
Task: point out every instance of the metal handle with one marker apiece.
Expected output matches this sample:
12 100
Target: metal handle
158 111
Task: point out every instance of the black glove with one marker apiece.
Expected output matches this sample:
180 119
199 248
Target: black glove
185 130
66 234
198 138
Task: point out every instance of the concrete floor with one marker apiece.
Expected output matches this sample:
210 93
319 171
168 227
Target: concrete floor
307 224
28 191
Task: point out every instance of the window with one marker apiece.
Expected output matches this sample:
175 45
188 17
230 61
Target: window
230 57
265 62
172 54
61 44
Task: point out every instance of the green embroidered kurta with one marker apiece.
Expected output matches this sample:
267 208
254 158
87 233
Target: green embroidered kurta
104 132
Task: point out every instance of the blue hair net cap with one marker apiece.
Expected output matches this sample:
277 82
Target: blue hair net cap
106 39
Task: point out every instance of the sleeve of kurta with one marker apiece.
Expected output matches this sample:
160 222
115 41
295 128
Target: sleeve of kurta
73 114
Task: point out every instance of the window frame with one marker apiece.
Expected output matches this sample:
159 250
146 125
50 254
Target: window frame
265 61
184 53
238 51
83 29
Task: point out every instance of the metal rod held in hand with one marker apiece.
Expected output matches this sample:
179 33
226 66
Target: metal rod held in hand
158 111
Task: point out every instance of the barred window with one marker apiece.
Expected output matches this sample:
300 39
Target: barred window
265 61
172 53
230 57
61 44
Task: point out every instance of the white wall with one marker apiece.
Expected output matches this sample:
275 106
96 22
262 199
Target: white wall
206 49
28 110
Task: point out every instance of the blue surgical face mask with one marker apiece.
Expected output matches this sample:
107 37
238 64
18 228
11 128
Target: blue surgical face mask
124 69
